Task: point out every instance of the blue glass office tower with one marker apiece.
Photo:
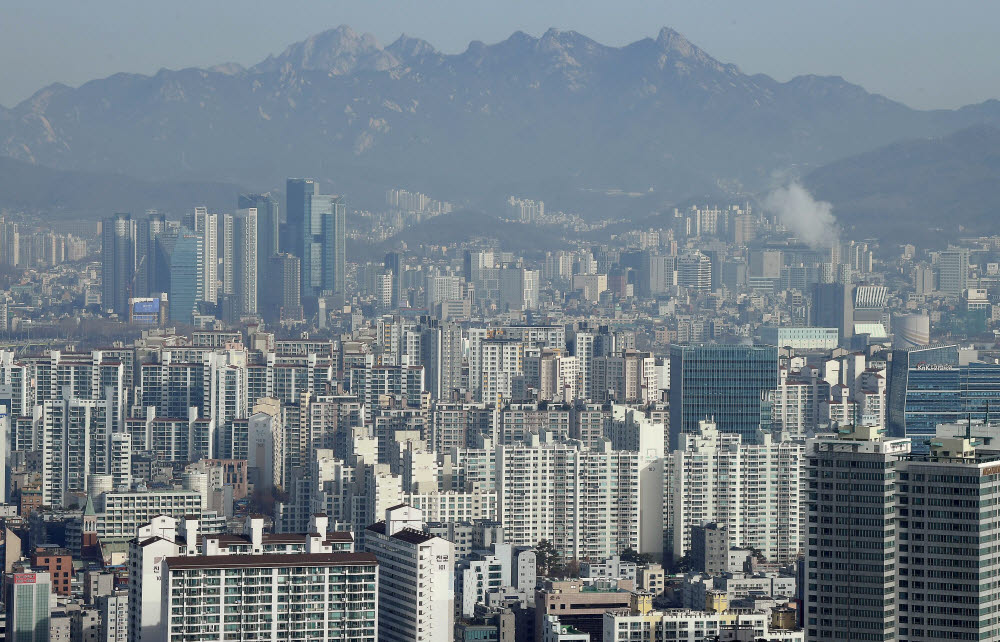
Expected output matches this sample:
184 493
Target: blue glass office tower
298 194
180 259
320 223
726 382
929 386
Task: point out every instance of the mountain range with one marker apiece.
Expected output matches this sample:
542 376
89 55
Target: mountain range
543 117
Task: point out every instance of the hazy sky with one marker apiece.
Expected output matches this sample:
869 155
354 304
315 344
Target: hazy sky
927 54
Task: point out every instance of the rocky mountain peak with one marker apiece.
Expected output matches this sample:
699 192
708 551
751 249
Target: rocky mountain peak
407 47
340 51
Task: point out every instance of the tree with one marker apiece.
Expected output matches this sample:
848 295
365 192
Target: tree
546 557
631 555
683 565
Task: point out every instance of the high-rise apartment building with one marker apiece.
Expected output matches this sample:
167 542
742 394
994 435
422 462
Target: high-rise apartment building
75 434
207 225
245 262
113 611
895 541
441 356
239 264
498 361
851 540
694 272
184 584
518 288
416 578
751 489
587 502
725 383
10 243
290 596
945 576
393 263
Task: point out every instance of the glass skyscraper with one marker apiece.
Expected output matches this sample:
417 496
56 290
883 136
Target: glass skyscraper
930 386
297 194
724 382
320 221
117 262
267 231
333 228
180 264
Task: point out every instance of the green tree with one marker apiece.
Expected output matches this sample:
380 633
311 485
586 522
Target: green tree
546 557
683 565
631 555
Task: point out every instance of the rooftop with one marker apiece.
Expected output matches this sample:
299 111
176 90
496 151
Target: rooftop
270 561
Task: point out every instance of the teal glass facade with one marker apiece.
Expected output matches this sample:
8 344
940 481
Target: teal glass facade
727 383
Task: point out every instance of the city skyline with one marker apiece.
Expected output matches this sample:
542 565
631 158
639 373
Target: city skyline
556 339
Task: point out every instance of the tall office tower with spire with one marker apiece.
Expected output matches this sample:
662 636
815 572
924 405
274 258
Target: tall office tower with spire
267 230
146 233
207 225
117 262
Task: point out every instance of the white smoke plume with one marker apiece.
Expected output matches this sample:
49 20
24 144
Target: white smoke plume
811 221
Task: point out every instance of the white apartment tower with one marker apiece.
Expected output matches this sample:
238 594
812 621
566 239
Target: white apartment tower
751 489
121 460
585 501
244 261
416 578
187 586
208 226
496 362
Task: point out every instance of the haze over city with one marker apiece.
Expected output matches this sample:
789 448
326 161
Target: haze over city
551 321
